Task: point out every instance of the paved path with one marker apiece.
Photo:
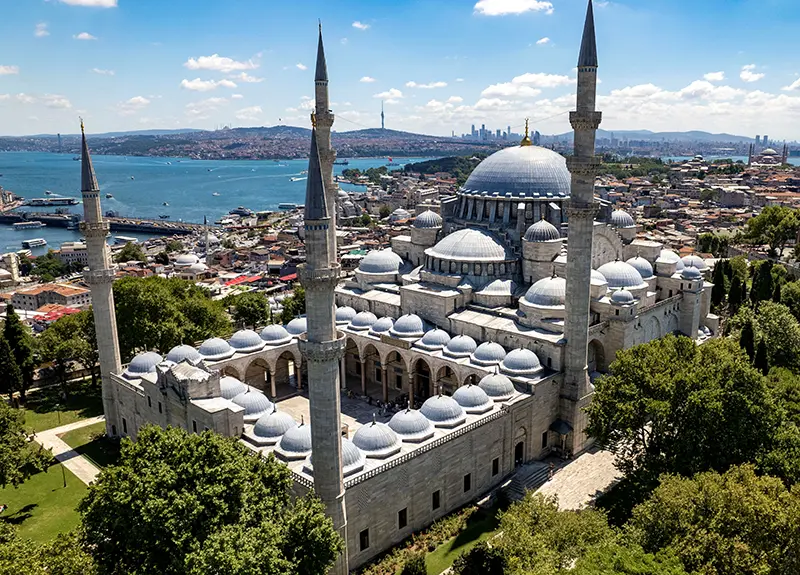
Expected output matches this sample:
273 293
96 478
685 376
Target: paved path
72 460
581 481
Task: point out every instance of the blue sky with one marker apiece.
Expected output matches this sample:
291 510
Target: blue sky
440 65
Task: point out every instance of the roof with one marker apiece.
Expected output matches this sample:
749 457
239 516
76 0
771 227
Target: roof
316 208
321 74
527 171
588 54
60 289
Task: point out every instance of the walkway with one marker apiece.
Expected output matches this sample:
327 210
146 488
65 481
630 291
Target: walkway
578 483
72 460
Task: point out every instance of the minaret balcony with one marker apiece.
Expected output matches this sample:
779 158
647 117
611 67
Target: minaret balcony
323 351
319 279
585 121
586 167
94 277
94 229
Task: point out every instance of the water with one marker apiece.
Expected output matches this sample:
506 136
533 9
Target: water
140 186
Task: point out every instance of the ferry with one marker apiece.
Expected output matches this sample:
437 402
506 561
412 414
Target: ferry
122 240
47 202
215 194
341 163
287 206
296 179
241 211
33 225
34 243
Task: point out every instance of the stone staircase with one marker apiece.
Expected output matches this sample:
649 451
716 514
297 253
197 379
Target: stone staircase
529 477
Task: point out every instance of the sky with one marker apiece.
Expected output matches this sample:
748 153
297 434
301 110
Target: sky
439 65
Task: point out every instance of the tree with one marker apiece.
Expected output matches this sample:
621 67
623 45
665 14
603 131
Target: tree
10 375
48 267
251 309
62 556
294 305
415 565
790 297
738 267
480 560
180 503
161 258
777 293
72 338
130 252
617 559
774 226
747 340
761 361
366 220
762 282
20 340
19 458
173 246
718 291
385 211
781 331
735 294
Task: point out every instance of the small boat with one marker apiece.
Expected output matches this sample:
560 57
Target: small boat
215 194
46 192
164 216
30 225
165 204
34 243
341 163
297 179
109 196
169 163
133 178
76 159
287 206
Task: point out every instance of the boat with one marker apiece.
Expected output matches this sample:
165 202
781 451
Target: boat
32 225
109 196
133 178
47 202
215 194
287 206
391 162
46 192
112 214
34 243
125 240
297 179
164 216
241 211
165 204
76 159
341 163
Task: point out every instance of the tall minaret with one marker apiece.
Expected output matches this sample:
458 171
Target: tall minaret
581 212
100 277
323 120
383 125
323 347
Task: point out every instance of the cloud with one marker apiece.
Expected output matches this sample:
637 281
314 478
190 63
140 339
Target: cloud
455 100
367 80
251 114
301 66
344 41
247 78
200 110
392 94
103 72
236 96
219 63
748 75
503 7
8 70
360 25
543 41
793 86
4 97
91 3
510 90
714 76
426 86
130 107
198 85
459 79
84 36
41 30
540 80
56 101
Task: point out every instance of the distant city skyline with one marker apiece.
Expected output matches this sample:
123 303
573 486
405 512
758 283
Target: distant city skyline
726 66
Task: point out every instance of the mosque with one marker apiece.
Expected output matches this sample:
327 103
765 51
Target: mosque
490 321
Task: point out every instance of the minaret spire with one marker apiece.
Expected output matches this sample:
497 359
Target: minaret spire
588 54
323 122
321 74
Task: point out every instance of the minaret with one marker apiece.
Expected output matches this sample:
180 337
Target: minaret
208 243
581 212
383 125
100 277
323 121
323 347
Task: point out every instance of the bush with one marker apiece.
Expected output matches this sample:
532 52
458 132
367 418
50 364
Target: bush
415 565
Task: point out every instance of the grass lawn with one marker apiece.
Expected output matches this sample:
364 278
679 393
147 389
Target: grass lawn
83 401
91 442
481 526
42 507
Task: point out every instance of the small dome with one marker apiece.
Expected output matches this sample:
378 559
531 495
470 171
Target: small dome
353 459
521 362
470 245
342 195
296 441
542 231
215 349
621 274
198 268
598 279
230 387
377 440
427 220
246 341
547 292
181 352
186 260
255 404
695 261
499 288
622 219
345 314
275 335
691 273
460 346
434 339
363 320
411 425
143 363
473 399
670 257
622 297
488 353
399 214
383 325
273 424
443 411
497 386
381 262
408 325
642 266
297 326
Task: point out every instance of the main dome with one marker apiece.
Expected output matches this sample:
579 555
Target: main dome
525 171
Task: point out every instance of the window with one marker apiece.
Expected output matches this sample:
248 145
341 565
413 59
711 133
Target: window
194 426
467 482
402 518
398 381
616 312
149 402
549 362
124 426
358 368
363 540
670 293
235 431
159 407
495 466
435 500
544 440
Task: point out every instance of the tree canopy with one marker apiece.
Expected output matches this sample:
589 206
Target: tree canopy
71 338
62 556
251 309
774 226
20 341
19 459
294 305
130 252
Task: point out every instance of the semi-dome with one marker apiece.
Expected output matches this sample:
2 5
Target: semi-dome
408 325
473 399
470 245
363 320
186 260
670 257
695 261
428 219
273 425
275 334
434 339
230 387
622 297
377 440
215 349
691 273
181 352
296 442
143 363
255 404
297 326
598 279
488 353
524 171
642 266
380 262
542 231
246 341
460 346
621 274
383 325
547 292
411 426
499 287
497 386
521 362
622 219
443 411
345 314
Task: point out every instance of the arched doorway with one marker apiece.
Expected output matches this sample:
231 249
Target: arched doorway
422 385
257 375
596 357
372 385
286 371
519 447
396 377
231 371
352 367
446 380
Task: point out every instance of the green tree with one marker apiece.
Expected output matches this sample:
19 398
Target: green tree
415 565
161 258
761 360
19 458
130 252
48 267
785 388
790 297
10 375
62 556
385 211
618 559
774 226
366 220
173 246
480 560
718 291
762 282
251 309
21 342
738 267
747 340
777 294
294 305
180 503
735 294
72 338
775 324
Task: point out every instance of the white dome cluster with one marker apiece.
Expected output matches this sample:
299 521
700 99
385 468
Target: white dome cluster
381 262
460 346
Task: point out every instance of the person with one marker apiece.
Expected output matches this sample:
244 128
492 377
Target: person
551 470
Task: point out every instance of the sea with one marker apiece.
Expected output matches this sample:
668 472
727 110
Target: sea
148 187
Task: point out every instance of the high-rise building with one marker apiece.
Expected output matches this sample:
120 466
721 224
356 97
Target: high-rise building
758 140
765 141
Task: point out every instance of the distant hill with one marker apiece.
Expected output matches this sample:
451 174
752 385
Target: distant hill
691 136
123 134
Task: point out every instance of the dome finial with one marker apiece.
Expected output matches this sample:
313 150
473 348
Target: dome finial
555 275
374 418
526 141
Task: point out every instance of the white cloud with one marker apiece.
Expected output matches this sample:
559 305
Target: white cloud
748 75
25 98
84 36
360 25
459 79
301 66
392 94
793 86
714 76
130 107
426 86
247 78
344 41
219 64
8 70
41 30
510 90
198 85
56 101
367 79
249 114
4 97
502 7
91 3
540 80
103 72
200 110
236 96
543 41
455 100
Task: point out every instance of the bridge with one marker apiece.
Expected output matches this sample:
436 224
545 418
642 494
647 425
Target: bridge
117 224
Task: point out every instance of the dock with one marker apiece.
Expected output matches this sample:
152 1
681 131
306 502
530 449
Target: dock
137 225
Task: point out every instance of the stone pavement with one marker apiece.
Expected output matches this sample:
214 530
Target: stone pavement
76 463
582 480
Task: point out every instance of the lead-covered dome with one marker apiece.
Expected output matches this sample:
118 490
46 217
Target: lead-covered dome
255 404
275 334
296 442
542 231
547 292
399 214
383 325
443 411
473 399
215 349
186 260
695 261
521 362
621 275
642 266
488 353
297 326
411 426
434 339
353 459
497 386
670 257
524 171
181 352
377 440
428 219
380 262
691 273
460 346
622 297
143 363
272 425
622 219
363 320
246 341
408 325
230 387
470 245
598 279
345 314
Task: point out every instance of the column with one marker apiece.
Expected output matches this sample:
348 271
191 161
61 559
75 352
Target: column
273 385
412 380
342 372
298 372
385 383
363 377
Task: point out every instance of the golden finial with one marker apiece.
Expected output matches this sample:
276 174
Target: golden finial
83 131
313 119
526 141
